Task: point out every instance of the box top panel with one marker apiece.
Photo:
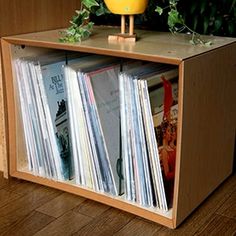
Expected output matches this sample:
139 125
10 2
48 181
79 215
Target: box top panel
151 45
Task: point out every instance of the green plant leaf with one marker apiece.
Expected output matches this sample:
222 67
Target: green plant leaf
81 17
159 10
208 43
80 28
173 2
195 23
90 3
174 18
203 6
192 42
90 26
101 10
205 25
193 7
218 23
231 27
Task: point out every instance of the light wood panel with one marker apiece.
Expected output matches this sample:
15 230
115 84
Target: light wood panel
10 119
151 46
208 127
2 124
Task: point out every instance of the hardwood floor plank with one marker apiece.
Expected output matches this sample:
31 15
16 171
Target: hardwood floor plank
61 204
3 181
67 224
91 208
21 187
139 227
5 225
218 225
229 207
108 223
29 225
6 197
20 208
204 212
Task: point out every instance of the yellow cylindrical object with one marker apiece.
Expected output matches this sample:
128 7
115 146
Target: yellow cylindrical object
126 7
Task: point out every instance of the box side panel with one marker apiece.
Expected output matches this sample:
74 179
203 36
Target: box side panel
3 161
9 106
208 129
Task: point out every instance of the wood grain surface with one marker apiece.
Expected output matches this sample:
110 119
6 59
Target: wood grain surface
23 213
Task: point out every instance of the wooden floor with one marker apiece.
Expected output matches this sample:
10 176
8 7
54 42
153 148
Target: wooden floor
31 209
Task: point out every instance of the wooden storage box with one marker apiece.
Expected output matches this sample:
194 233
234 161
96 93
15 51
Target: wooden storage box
206 116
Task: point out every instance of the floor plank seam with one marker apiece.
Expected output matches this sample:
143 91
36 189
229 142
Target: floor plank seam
89 222
18 221
226 216
123 226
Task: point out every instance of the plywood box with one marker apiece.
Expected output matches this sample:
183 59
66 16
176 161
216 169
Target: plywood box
206 116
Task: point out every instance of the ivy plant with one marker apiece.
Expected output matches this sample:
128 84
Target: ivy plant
81 25
177 24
